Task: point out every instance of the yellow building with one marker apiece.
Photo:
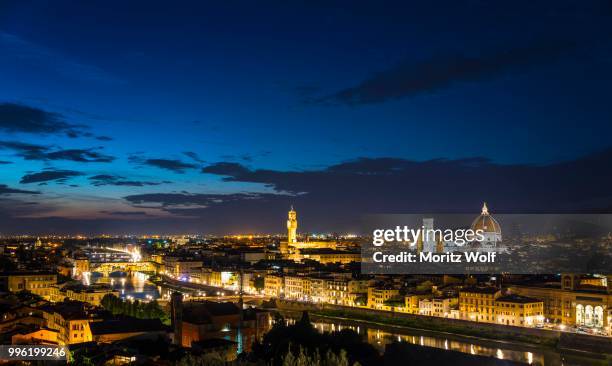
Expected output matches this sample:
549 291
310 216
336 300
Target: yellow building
37 336
358 292
437 306
519 310
81 266
478 303
293 246
590 280
571 303
215 279
181 268
318 289
377 295
327 255
412 301
273 285
157 258
336 290
39 283
223 279
346 291
71 322
292 225
65 269
297 288
90 294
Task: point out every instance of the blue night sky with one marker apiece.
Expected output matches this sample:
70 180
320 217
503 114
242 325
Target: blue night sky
137 117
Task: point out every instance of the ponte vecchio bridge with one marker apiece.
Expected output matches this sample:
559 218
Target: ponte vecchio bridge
106 268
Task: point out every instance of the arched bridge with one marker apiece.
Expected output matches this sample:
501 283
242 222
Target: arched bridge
107 268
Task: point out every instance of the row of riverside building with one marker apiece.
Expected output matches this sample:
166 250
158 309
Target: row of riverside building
575 301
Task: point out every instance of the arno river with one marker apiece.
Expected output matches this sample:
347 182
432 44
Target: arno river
138 287
380 337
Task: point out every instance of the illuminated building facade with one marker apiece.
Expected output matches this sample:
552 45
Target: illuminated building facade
273 285
39 283
489 226
71 322
297 288
92 294
378 295
478 303
326 256
436 306
519 310
291 248
572 302
292 225
181 267
413 302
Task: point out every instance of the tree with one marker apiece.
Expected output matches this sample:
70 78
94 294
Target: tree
303 337
207 359
259 283
305 359
136 309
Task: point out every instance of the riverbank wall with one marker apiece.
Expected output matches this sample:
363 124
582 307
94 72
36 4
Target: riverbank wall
570 342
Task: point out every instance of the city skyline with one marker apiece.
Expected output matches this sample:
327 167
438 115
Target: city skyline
212 119
319 183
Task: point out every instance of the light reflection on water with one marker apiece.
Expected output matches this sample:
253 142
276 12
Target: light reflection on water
379 338
138 287
135 286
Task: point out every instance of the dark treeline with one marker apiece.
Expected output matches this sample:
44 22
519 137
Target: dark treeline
136 309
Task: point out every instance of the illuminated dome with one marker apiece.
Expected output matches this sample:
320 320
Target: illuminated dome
491 231
486 222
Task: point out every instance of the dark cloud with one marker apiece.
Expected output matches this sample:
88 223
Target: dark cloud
174 165
104 138
24 149
246 157
193 156
78 155
4 189
335 198
399 185
21 118
115 180
185 199
409 78
49 175
225 168
124 213
45 153
5 162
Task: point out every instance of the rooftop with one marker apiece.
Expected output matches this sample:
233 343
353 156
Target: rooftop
201 312
326 251
213 343
69 310
480 290
126 325
518 299
28 273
